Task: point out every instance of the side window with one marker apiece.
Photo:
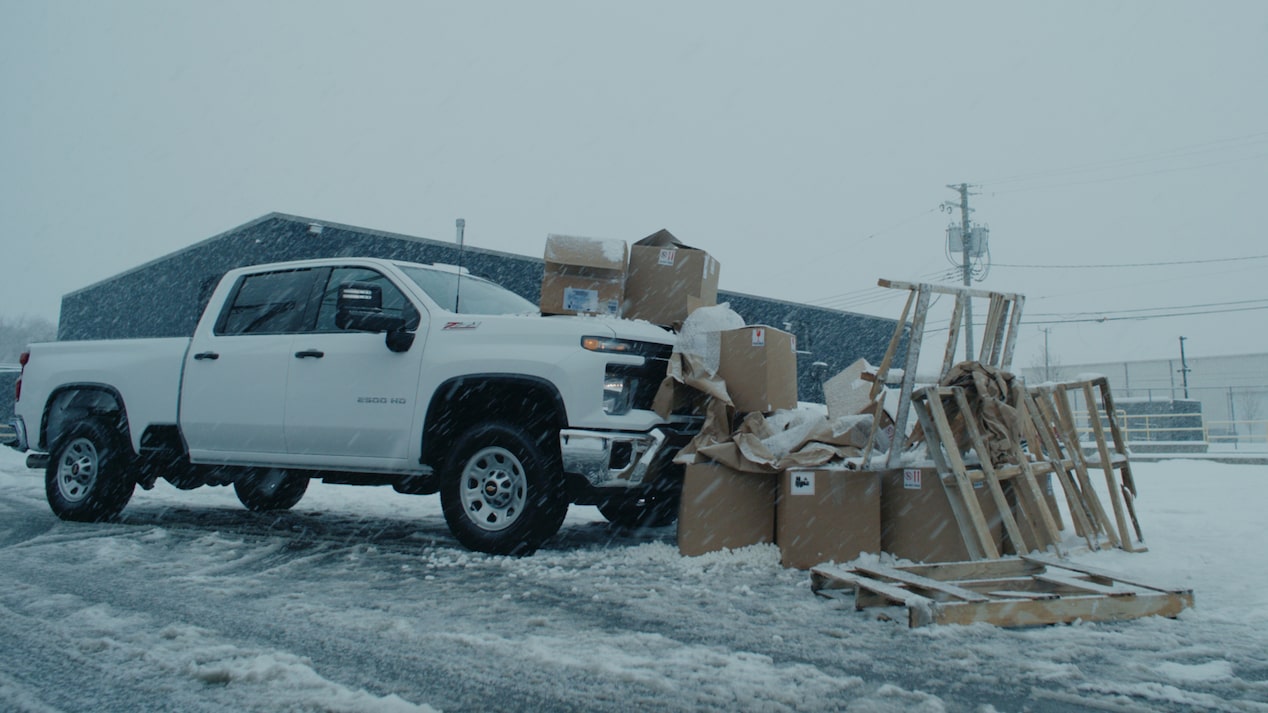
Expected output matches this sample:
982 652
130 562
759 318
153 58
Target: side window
395 303
268 303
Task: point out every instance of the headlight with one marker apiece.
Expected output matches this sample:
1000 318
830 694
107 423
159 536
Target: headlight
607 344
616 395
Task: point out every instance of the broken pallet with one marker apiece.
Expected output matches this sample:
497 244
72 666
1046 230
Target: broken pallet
1011 592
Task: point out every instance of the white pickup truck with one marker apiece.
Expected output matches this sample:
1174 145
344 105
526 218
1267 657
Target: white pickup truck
365 372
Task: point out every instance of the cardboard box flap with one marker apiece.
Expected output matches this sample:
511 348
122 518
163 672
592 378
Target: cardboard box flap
586 252
663 239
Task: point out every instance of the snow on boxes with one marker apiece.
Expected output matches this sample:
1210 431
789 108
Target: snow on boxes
583 276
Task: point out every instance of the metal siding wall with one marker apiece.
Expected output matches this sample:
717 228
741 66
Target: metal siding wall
166 297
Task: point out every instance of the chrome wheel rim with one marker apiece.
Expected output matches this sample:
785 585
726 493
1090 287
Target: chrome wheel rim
77 470
493 488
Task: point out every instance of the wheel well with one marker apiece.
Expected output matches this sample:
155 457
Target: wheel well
465 401
72 404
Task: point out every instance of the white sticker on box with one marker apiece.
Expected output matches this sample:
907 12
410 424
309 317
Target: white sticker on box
911 479
979 484
667 257
614 308
759 337
579 300
803 483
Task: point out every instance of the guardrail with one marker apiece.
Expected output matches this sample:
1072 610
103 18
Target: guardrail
1182 428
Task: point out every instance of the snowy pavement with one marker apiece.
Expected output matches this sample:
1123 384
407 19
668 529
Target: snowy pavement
359 601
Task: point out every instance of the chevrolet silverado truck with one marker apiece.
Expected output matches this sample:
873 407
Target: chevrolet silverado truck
365 372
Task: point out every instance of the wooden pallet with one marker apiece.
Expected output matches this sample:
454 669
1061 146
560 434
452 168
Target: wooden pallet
1012 592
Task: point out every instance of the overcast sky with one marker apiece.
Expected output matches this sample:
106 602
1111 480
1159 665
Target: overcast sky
806 145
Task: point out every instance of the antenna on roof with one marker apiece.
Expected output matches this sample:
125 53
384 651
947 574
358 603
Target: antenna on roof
462 226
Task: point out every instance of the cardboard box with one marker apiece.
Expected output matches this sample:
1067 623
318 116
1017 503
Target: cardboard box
724 508
827 515
583 276
668 279
759 365
916 518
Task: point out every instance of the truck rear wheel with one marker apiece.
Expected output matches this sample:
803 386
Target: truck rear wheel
502 493
270 489
88 478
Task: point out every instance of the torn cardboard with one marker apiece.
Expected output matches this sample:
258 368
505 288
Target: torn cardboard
583 276
787 439
668 279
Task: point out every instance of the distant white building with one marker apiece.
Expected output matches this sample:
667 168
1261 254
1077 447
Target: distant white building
1233 390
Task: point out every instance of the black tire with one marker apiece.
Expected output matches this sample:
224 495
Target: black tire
656 508
89 475
270 489
502 492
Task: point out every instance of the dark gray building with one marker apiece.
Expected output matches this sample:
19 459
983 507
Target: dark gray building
164 298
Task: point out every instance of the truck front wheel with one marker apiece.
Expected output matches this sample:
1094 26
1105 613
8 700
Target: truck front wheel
502 493
88 477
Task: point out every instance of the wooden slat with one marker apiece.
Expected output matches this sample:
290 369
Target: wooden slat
1042 418
953 334
1075 449
1083 585
916 580
1014 325
909 378
1111 482
968 499
1094 571
1060 610
992 482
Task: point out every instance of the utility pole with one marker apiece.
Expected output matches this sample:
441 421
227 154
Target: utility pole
1184 368
1047 373
965 238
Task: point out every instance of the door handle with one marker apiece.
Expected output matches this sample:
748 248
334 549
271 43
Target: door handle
200 356
310 353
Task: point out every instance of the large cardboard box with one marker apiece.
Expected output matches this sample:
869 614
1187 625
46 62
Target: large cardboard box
916 518
724 508
583 275
668 279
827 515
759 365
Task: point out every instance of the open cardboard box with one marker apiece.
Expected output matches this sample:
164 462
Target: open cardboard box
583 276
667 280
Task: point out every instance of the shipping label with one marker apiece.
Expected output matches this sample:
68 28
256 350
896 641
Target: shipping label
614 308
667 257
579 300
759 337
802 483
911 479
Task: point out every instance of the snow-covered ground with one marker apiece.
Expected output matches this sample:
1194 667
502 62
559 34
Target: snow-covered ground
359 600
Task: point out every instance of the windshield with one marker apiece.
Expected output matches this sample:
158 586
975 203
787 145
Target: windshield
477 295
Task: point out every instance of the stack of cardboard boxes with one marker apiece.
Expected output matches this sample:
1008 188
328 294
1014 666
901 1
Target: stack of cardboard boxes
814 515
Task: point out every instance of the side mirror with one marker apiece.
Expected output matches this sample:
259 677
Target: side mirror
360 308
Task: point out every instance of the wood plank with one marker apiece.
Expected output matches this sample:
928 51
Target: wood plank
1043 418
1066 415
968 498
1084 585
1062 610
1111 482
909 377
1014 325
916 580
943 289
977 570
953 334
1094 571
992 482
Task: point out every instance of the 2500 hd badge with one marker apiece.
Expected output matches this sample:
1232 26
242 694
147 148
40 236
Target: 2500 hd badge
381 400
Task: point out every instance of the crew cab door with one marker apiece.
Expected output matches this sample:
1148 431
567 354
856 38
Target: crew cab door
233 391
348 394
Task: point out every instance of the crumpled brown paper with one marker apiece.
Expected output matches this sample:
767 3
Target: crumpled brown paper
992 406
786 439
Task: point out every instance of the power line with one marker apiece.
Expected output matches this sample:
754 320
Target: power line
1142 317
1150 309
1135 264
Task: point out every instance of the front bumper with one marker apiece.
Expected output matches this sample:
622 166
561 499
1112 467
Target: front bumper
615 459
16 440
